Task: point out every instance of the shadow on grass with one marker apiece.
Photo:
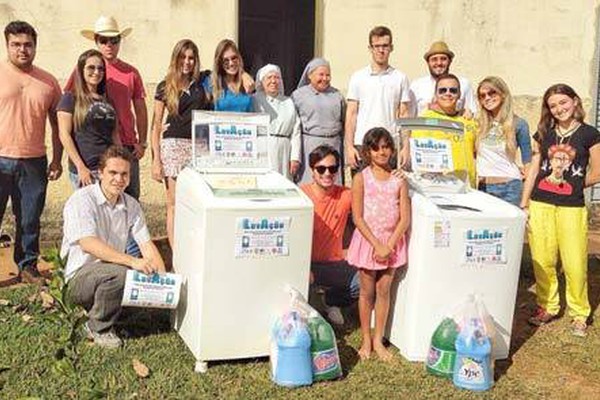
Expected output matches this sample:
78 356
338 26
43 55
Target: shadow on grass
526 304
141 322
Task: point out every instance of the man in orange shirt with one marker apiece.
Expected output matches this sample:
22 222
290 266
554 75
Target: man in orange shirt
28 96
333 204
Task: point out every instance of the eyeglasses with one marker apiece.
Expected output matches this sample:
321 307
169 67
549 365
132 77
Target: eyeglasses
114 40
443 90
230 60
331 168
92 68
490 93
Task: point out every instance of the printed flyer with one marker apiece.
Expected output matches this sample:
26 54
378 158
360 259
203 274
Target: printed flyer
233 140
258 237
431 155
485 246
151 291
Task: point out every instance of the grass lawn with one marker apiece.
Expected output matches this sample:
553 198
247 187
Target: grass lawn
545 363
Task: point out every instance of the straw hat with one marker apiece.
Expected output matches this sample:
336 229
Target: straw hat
105 26
438 48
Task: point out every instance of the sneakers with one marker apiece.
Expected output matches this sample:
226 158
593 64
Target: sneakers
578 328
541 317
30 274
108 339
334 314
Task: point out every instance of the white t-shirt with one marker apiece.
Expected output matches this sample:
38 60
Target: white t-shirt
379 95
492 160
422 93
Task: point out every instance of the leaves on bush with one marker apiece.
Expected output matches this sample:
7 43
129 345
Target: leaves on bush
140 368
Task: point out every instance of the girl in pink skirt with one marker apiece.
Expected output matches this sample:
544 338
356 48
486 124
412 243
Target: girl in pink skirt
381 213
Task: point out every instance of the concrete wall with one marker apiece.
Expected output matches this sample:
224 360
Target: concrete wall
157 26
530 43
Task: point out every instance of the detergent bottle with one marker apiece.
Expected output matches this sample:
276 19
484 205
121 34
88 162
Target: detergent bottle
442 352
292 365
472 369
325 357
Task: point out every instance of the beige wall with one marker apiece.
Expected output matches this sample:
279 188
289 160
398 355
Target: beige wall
531 43
157 26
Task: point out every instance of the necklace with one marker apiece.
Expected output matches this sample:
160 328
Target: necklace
567 134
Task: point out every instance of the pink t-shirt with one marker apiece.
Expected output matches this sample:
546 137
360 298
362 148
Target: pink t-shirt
26 98
124 84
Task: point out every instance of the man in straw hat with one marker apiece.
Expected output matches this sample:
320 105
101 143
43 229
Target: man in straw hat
377 95
28 97
438 59
124 87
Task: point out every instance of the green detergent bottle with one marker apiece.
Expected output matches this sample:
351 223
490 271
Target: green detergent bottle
442 352
325 356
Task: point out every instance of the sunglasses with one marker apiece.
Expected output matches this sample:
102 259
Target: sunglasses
92 68
230 60
114 40
490 93
443 90
331 168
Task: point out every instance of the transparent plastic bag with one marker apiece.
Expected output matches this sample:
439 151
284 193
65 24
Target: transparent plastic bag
325 359
474 365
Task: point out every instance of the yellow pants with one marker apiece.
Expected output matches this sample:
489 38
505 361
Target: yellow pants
555 230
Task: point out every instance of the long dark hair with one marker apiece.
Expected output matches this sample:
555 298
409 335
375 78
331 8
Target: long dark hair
81 93
547 121
372 139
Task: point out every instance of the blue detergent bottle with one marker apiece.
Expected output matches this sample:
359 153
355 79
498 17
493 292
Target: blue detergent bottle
293 366
472 368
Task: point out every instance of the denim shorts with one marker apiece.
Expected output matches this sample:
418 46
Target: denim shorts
508 191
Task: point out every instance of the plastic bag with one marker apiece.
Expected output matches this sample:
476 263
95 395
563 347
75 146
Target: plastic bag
291 363
325 359
473 368
474 314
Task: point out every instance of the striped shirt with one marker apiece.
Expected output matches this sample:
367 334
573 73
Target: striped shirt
88 213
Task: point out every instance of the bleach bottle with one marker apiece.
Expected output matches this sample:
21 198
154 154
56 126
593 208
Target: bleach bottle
292 363
325 357
472 368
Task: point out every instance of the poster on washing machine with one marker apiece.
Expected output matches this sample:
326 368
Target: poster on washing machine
431 155
262 237
485 246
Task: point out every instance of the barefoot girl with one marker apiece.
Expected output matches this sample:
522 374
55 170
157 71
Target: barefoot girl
381 213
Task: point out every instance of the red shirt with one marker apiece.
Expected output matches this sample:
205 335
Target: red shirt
331 215
124 85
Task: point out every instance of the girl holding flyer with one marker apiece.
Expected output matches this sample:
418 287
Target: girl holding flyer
381 212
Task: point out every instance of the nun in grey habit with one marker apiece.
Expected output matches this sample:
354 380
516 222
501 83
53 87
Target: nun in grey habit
321 108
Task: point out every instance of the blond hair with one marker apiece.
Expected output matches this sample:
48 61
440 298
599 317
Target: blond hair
505 117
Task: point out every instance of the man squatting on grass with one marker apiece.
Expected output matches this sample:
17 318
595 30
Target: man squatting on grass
97 221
